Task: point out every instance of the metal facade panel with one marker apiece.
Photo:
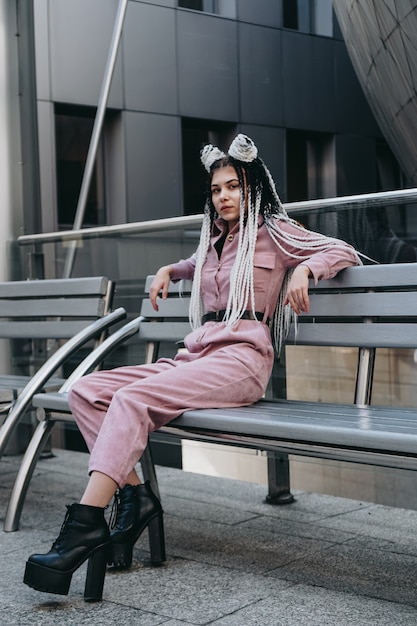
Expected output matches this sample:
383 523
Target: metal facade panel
261 86
208 73
153 165
80 36
299 79
43 85
150 59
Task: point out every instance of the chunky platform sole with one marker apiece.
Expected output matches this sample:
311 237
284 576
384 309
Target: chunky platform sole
51 580
121 554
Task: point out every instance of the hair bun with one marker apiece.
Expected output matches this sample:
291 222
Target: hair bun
242 148
209 154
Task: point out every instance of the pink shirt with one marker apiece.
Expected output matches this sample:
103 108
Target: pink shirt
270 265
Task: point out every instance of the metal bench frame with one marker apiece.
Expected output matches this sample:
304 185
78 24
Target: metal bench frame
366 307
72 311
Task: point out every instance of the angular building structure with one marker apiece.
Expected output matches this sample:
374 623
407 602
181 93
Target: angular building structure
381 38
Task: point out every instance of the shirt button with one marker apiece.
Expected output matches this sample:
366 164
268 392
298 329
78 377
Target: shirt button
230 237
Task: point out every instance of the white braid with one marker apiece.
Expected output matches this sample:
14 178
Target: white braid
274 191
322 242
209 154
196 305
242 148
242 292
283 316
241 277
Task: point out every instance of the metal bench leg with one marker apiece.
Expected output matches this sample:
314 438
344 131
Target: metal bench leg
24 475
156 534
148 469
279 479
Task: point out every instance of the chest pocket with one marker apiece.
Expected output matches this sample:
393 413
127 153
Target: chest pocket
263 266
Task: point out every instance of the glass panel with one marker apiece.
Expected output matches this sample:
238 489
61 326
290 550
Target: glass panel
304 16
209 6
323 18
196 5
290 14
73 128
310 166
321 374
309 16
328 375
226 8
387 235
195 134
384 234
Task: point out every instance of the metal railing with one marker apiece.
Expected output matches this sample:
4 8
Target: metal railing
339 203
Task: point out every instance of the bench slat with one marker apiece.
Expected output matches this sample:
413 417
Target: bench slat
50 307
340 304
363 305
54 287
177 307
383 276
42 330
349 426
171 332
329 424
342 335
355 335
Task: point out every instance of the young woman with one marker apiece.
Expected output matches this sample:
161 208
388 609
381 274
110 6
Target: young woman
250 273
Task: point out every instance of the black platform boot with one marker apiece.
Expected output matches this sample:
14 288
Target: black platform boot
84 535
137 507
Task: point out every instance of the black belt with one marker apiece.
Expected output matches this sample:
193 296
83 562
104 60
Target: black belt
217 316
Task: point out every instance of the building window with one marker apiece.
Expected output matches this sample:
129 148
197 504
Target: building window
310 165
308 16
195 134
225 8
73 128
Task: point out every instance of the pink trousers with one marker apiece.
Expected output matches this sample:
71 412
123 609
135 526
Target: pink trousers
116 410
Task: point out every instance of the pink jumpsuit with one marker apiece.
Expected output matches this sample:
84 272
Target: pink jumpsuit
115 410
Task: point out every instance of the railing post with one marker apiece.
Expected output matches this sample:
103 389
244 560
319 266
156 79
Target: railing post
364 376
95 136
278 463
279 479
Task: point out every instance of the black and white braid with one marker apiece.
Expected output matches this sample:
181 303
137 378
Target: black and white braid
258 196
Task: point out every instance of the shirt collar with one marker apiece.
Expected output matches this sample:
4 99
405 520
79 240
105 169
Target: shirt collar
220 225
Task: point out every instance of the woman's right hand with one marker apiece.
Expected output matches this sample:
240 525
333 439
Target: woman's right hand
160 284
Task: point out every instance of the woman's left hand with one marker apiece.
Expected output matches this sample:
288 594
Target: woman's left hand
297 292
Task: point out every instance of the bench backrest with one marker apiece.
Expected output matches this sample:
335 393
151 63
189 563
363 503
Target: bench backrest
367 306
364 307
52 309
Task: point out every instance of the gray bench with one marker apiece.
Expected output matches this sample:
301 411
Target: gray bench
57 318
363 307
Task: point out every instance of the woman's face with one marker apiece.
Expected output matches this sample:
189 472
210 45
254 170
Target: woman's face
225 194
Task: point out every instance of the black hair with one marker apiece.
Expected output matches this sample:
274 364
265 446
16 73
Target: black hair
251 175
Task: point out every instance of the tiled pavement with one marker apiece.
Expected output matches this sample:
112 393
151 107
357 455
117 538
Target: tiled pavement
232 559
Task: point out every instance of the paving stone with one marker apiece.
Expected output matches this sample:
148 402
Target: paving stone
232 559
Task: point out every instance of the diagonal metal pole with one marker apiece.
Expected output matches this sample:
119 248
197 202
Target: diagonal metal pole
95 135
